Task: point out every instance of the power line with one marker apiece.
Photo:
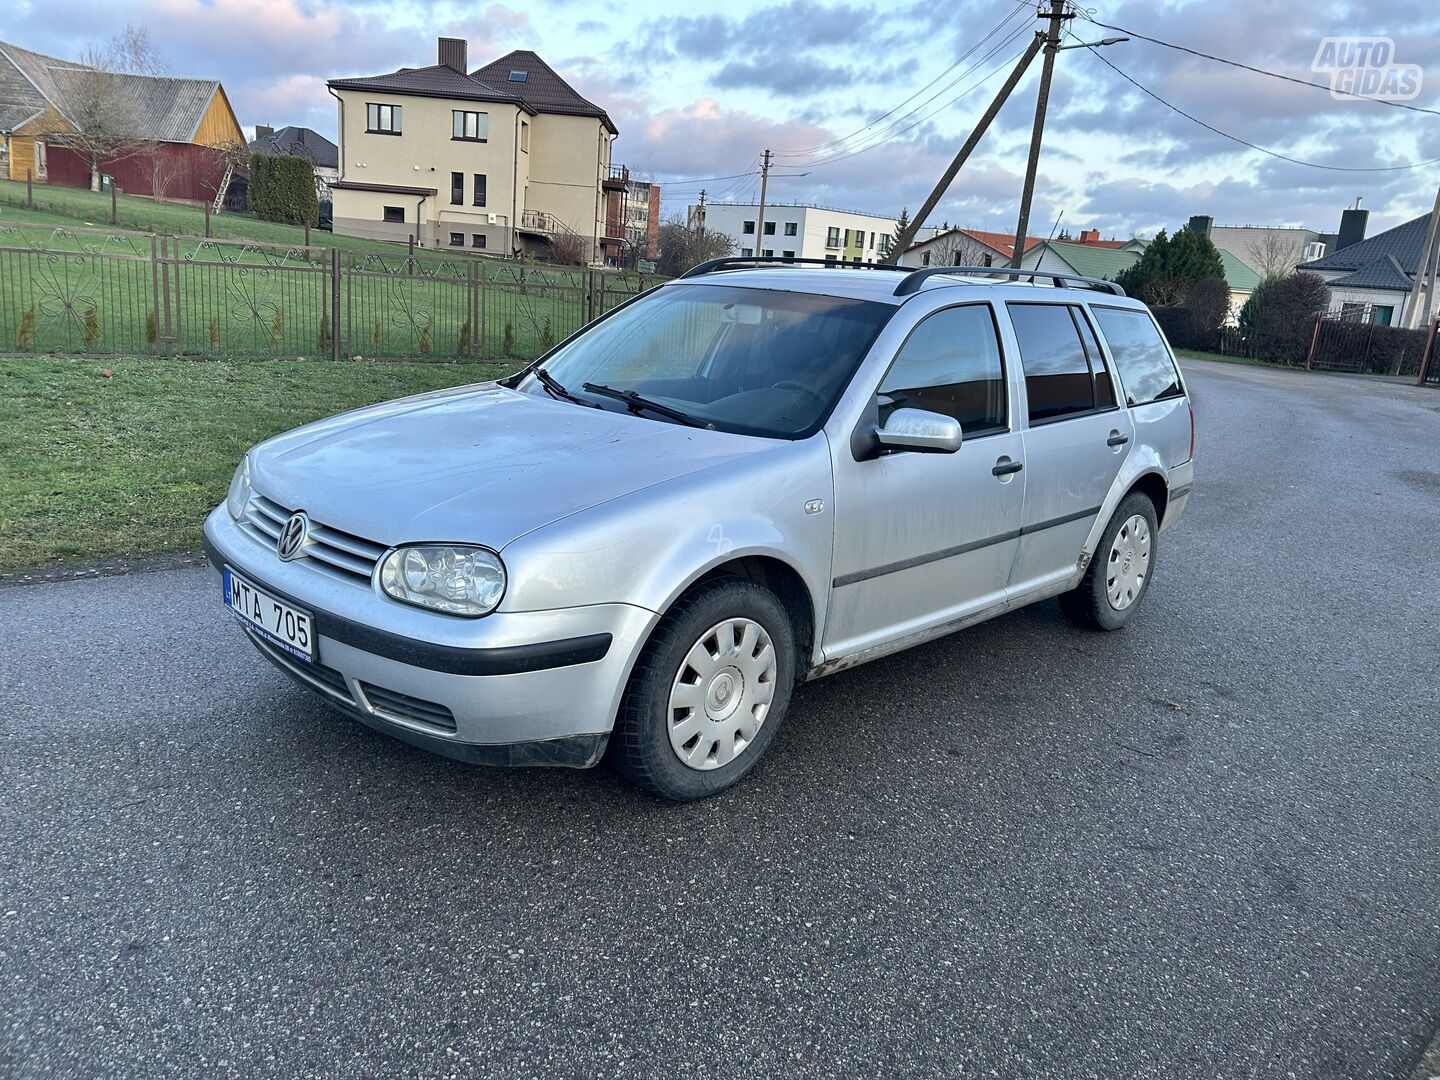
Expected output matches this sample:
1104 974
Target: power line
1261 71
891 138
1255 146
957 62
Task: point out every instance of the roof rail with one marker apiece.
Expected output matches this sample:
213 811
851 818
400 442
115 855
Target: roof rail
918 277
761 262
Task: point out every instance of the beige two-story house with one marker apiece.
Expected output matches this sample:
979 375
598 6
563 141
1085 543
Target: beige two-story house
504 159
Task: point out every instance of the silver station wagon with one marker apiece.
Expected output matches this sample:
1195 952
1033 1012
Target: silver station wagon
754 475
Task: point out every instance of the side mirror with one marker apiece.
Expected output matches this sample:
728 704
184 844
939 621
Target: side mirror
921 431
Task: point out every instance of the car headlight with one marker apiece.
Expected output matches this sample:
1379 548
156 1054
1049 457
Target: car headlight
239 494
452 578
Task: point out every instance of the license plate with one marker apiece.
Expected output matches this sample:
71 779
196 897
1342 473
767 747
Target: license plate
286 626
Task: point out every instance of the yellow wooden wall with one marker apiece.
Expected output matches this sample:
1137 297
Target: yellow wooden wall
22 156
218 127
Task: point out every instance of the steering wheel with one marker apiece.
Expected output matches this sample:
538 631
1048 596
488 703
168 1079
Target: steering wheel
794 384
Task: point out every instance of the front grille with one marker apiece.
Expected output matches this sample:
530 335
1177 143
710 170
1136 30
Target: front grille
316 676
340 553
397 706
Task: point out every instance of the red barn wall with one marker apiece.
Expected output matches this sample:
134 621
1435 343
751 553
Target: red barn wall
196 169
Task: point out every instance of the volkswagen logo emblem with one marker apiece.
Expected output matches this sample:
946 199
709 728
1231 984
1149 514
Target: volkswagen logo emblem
291 544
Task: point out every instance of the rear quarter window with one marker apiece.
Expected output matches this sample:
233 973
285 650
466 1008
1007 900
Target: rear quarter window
1146 371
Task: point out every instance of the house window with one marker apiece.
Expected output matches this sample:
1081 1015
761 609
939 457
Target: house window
518 76
790 228
988 260
748 228
382 119
457 188
769 228
746 252
885 242
469 126
1381 314
925 259
477 240
457 239
829 259
872 239
479 189
769 253
525 136
832 237
788 254
395 213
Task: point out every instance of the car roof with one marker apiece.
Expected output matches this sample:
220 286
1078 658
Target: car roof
879 285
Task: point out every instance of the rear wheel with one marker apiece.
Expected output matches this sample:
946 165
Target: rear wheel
709 692
1119 575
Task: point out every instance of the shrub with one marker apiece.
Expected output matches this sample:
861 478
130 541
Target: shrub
282 188
377 338
25 332
507 342
324 340
1279 317
150 327
277 328
462 343
215 331
91 325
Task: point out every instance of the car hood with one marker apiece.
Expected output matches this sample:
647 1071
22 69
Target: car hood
477 464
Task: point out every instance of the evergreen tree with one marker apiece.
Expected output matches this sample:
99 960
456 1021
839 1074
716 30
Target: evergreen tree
901 224
1168 266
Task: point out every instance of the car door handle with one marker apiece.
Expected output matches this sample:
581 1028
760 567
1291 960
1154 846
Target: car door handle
1006 468
1116 439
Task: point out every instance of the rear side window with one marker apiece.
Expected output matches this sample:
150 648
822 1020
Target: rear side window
1146 370
950 364
1058 382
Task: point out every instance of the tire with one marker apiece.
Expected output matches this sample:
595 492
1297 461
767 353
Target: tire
1119 575
727 721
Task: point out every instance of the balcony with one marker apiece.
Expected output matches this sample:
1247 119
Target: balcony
618 179
537 221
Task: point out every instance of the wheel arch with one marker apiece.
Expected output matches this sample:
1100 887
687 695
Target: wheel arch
1153 486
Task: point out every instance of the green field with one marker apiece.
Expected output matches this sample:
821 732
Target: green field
126 457
68 287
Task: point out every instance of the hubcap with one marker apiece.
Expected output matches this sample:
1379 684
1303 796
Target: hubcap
1129 563
721 694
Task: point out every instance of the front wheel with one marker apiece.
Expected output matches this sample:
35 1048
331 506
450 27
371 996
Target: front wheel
1119 575
709 692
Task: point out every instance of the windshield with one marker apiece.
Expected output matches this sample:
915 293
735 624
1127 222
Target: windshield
753 361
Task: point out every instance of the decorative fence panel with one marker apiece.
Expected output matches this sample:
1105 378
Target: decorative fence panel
80 291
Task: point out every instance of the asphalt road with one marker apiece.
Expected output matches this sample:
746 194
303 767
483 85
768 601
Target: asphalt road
1206 846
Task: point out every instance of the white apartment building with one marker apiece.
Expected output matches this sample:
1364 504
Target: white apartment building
800 230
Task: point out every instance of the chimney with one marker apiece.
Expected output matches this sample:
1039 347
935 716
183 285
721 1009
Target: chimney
1352 227
263 131
452 54
1089 236
1201 224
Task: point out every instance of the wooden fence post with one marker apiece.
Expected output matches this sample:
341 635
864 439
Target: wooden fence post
334 303
307 232
114 216
207 219
29 189
1429 352
1314 340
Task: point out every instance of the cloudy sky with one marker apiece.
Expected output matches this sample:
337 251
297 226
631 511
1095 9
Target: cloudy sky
870 100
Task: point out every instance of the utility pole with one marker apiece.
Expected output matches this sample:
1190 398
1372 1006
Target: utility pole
1414 307
700 214
760 217
906 237
1052 46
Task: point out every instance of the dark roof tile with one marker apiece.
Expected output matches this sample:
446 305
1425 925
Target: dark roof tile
1403 242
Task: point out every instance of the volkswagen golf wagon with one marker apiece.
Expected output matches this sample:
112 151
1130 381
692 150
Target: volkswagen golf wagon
757 474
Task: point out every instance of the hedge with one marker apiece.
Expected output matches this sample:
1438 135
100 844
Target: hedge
282 188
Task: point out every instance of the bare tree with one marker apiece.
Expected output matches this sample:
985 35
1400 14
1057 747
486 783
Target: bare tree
567 249
682 247
100 109
222 163
1275 254
164 170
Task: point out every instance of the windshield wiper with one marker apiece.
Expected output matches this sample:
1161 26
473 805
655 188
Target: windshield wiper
635 402
556 389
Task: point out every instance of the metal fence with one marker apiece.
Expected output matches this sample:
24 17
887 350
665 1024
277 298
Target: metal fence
1342 343
102 292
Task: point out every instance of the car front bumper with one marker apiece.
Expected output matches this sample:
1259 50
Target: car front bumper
512 688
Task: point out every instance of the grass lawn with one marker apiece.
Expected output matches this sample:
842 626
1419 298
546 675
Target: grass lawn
126 457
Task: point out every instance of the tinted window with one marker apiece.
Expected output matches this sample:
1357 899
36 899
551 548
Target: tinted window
1057 373
1146 370
1104 385
950 364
